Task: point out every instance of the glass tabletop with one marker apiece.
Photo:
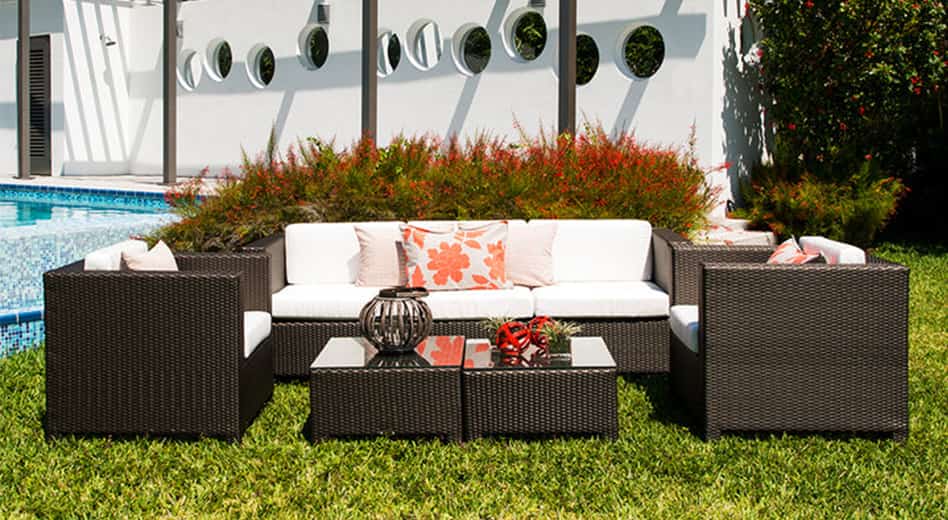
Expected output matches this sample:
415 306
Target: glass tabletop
436 351
479 354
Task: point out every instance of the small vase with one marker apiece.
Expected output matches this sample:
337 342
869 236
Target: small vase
560 347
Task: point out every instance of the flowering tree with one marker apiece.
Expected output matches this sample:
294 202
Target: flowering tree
854 79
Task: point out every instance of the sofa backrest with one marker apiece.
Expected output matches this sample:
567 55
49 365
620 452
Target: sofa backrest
318 253
602 251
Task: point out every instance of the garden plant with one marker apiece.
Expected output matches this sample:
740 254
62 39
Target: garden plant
590 176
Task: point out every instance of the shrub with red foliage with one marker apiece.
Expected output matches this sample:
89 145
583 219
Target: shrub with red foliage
589 176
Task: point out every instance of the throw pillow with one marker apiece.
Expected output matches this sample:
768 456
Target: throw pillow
790 252
530 253
473 258
381 260
160 258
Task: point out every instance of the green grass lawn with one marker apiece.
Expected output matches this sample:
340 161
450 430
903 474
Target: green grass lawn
656 468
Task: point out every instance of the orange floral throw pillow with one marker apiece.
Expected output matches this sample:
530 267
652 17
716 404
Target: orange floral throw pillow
471 258
790 252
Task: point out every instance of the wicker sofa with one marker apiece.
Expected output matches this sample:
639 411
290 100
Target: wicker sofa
798 348
631 314
158 353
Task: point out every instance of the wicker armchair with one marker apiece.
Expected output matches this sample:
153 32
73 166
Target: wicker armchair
815 348
151 353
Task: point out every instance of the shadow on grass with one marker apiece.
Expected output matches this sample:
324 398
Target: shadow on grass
667 408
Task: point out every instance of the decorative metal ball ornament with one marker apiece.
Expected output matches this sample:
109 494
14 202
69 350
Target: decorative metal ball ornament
537 336
396 320
512 338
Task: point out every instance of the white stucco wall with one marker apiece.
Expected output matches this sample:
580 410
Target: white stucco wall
107 100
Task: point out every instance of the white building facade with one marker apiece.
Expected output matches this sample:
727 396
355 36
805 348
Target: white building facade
105 95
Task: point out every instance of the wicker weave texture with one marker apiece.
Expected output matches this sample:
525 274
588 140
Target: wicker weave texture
540 402
638 346
132 353
687 259
801 348
376 401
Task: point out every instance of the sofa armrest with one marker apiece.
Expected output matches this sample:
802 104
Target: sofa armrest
677 262
663 266
275 247
254 268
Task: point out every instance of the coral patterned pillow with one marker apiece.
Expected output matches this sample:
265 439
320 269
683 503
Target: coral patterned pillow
472 258
790 252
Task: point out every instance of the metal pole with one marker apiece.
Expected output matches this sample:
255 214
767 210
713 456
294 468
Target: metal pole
567 87
370 79
23 90
170 92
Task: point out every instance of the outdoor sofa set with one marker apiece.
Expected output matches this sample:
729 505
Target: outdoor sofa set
749 346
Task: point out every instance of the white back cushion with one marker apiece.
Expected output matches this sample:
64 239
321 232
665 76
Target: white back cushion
324 252
834 252
602 251
110 258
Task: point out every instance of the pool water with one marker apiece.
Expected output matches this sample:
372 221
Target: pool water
27 213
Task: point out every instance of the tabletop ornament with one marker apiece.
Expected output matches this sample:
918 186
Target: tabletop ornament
396 320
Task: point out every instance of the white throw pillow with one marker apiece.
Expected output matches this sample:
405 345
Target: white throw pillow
110 258
530 253
834 252
381 259
160 258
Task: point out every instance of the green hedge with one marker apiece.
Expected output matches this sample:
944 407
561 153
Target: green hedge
590 176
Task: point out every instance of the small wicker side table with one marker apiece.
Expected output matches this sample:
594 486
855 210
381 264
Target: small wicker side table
355 391
574 395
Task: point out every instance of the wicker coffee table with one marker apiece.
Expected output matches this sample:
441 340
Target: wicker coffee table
355 391
559 395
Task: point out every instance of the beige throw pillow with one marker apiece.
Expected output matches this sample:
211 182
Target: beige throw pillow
381 260
160 258
530 253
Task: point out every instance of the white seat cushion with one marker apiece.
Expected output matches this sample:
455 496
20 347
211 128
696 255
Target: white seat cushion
602 251
256 329
479 305
683 320
322 301
601 300
326 253
110 258
834 252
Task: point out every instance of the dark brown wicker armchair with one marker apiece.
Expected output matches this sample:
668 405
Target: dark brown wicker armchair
814 348
149 353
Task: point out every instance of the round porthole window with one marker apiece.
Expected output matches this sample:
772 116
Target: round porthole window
220 60
473 51
389 53
189 69
314 47
643 51
261 65
528 36
587 59
426 46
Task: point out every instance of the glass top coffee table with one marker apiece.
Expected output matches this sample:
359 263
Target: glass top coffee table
356 391
540 395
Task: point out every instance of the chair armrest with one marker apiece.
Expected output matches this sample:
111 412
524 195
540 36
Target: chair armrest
678 264
253 267
791 307
275 247
109 331
129 311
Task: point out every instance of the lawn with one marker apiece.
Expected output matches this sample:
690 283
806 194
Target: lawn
657 468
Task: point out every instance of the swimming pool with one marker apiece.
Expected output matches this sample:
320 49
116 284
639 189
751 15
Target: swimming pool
42 228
